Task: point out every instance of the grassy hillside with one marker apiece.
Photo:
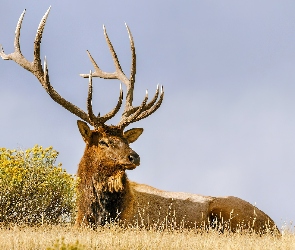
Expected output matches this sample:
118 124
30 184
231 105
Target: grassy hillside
68 237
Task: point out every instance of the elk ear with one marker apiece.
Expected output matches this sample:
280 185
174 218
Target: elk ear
84 130
132 135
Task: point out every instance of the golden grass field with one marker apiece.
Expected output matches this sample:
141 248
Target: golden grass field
23 173
114 237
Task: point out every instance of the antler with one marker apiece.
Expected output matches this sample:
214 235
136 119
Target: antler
130 114
35 67
97 120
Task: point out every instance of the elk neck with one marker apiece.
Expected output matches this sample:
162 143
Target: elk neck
102 181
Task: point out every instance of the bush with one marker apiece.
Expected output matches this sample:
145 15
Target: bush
32 189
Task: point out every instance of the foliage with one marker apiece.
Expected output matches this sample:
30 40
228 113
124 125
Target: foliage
32 189
61 245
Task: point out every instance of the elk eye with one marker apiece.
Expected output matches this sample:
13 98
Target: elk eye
103 143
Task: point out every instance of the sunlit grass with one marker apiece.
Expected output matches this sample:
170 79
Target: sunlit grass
31 183
115 237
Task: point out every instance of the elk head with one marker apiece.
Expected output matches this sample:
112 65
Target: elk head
108 145
111 145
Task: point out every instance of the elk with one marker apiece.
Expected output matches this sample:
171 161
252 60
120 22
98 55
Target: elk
105 193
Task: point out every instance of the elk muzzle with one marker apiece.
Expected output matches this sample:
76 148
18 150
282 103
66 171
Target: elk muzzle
134 160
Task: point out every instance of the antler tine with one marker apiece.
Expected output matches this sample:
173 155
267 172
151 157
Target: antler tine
152 108
17 32
144 110
35 67
96 121
17 55
125 121
44 80
112 113
118 67
118 74
130 83
148 106
92 118
130 113
98 72
37 42
133 56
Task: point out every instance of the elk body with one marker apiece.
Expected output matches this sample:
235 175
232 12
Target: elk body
105 193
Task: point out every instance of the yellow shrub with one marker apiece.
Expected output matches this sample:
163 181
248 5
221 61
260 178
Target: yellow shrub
32 189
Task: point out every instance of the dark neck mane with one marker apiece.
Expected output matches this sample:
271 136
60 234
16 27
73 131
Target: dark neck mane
109 196
102 192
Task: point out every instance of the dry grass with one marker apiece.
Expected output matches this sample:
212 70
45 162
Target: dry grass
114 237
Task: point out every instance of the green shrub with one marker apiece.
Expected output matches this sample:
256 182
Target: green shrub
32 189
61 245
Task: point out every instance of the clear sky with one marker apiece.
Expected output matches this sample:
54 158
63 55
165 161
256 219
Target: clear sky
226 126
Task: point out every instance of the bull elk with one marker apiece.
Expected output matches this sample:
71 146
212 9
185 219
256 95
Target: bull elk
105 193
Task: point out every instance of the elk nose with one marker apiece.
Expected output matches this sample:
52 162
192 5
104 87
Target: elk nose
134 158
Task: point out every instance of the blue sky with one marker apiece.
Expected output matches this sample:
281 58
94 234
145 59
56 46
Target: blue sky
226 126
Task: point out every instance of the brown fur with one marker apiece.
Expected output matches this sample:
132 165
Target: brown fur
103 184
105 193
